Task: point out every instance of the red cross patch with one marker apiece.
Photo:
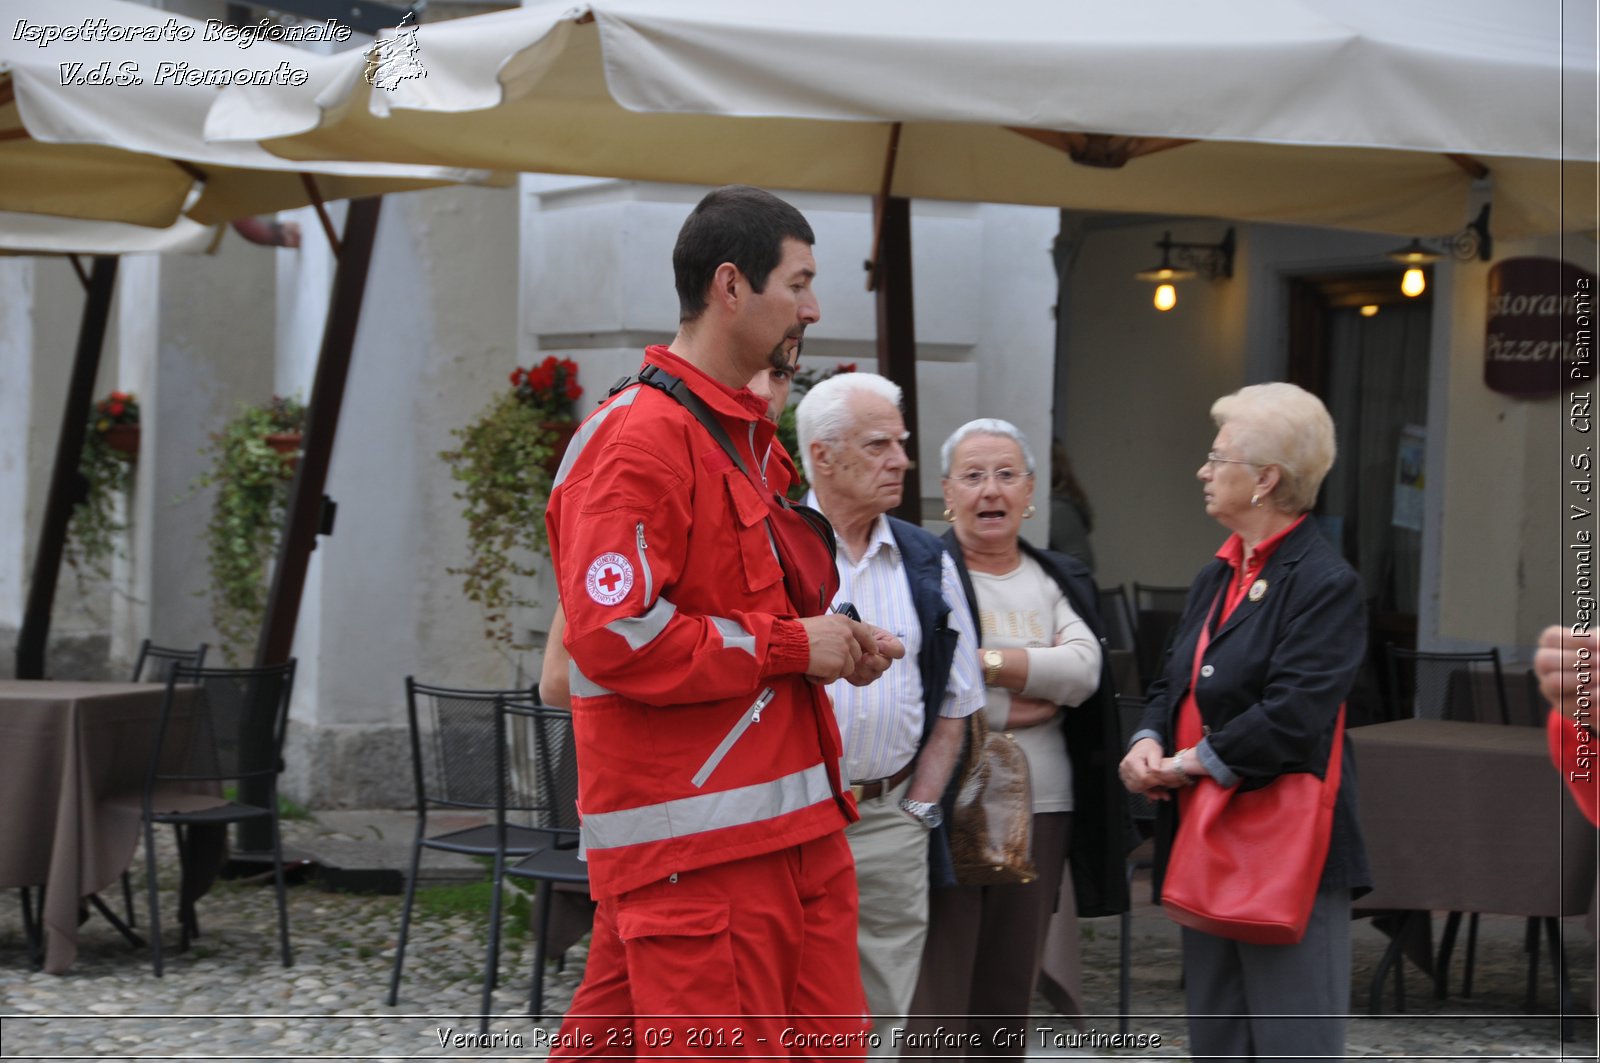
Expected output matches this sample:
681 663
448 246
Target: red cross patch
609 579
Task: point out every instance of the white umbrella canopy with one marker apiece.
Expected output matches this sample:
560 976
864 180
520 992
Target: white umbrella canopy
41 234
134 152
1357 113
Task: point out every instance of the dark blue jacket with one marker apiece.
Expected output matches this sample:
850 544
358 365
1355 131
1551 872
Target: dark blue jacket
920 552
1279 669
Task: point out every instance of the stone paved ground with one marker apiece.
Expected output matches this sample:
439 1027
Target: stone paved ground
227 998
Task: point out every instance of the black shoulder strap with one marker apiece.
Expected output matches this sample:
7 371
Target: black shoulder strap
658 378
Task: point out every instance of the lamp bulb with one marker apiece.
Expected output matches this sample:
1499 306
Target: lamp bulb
1166 297
1413 283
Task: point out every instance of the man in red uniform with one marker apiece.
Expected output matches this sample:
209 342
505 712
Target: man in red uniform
708 758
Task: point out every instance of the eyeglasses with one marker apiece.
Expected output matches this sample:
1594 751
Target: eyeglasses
1214 458
1004 477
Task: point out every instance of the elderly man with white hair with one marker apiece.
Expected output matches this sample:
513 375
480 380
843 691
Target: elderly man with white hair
902 736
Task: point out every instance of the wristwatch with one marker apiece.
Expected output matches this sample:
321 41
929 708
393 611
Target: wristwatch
992 662
1177 764
928 813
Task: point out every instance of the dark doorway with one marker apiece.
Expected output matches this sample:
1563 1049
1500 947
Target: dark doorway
1362 346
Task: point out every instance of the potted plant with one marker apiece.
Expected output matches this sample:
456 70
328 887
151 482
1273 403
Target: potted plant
251 477
106 465
505 462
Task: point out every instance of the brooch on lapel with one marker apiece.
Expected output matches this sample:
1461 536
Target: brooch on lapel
1258 590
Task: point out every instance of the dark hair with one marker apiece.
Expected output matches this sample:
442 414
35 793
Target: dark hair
1066 485
739 224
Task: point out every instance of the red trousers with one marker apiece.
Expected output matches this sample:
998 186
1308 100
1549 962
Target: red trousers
751 958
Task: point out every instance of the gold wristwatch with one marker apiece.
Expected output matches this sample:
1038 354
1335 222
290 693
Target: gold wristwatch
991 667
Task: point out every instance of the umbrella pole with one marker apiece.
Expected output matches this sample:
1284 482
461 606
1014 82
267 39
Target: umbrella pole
897 333
310 511
66 484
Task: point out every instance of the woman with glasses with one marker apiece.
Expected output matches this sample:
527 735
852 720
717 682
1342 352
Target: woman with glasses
1049 689
1264 656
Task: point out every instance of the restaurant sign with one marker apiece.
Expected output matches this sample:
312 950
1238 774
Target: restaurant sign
1540 333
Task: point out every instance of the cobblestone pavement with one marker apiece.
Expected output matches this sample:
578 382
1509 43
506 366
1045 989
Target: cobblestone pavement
228 998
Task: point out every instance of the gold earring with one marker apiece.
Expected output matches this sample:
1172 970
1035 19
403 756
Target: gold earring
1255 501
1030 511
949 516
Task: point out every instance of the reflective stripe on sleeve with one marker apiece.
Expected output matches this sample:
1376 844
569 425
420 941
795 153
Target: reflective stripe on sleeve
581 685
586 431
705 812
640 631
734 635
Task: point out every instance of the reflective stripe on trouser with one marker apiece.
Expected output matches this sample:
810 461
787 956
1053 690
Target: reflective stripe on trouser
753 958
684 816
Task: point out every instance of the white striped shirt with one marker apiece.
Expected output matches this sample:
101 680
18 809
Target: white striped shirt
881 723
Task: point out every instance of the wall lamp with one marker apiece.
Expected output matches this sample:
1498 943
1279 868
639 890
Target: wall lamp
1472 242
1183 260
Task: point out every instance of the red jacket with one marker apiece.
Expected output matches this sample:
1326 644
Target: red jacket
699 739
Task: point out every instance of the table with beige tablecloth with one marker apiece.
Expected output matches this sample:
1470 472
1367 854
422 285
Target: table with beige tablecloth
68 750
1470 817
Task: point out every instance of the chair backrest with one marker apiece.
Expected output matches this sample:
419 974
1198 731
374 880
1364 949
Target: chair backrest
455 745
1116 612
1448 686
222 724
155 663
541 759
1130 710
1157 611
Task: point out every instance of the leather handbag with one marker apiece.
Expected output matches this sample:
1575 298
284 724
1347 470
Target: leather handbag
991 821
1245 864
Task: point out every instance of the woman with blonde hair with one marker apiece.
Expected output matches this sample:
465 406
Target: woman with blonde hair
1251 691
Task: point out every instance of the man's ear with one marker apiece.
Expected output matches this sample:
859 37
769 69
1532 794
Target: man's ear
820 456
725 286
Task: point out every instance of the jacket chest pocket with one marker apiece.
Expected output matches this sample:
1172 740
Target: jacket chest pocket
758 556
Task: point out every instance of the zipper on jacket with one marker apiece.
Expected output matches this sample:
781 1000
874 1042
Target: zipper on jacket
762 464
745 720
644 563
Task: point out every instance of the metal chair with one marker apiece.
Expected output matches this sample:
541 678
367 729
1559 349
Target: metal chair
1130 710
1122 630
1158 610
229 734
161 660
543 755
1448 686
458 763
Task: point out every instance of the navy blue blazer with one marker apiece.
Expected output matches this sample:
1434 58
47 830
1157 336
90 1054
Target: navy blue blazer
1271 683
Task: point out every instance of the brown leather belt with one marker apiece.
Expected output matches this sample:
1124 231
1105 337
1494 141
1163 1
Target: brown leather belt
866 791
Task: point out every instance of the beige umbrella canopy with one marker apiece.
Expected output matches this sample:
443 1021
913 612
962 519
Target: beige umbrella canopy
102 111
1355 113
133 151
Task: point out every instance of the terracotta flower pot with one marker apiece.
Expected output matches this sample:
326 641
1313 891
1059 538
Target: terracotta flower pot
287 444
123 439
561 435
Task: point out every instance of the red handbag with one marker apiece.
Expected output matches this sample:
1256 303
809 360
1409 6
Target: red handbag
1245 865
